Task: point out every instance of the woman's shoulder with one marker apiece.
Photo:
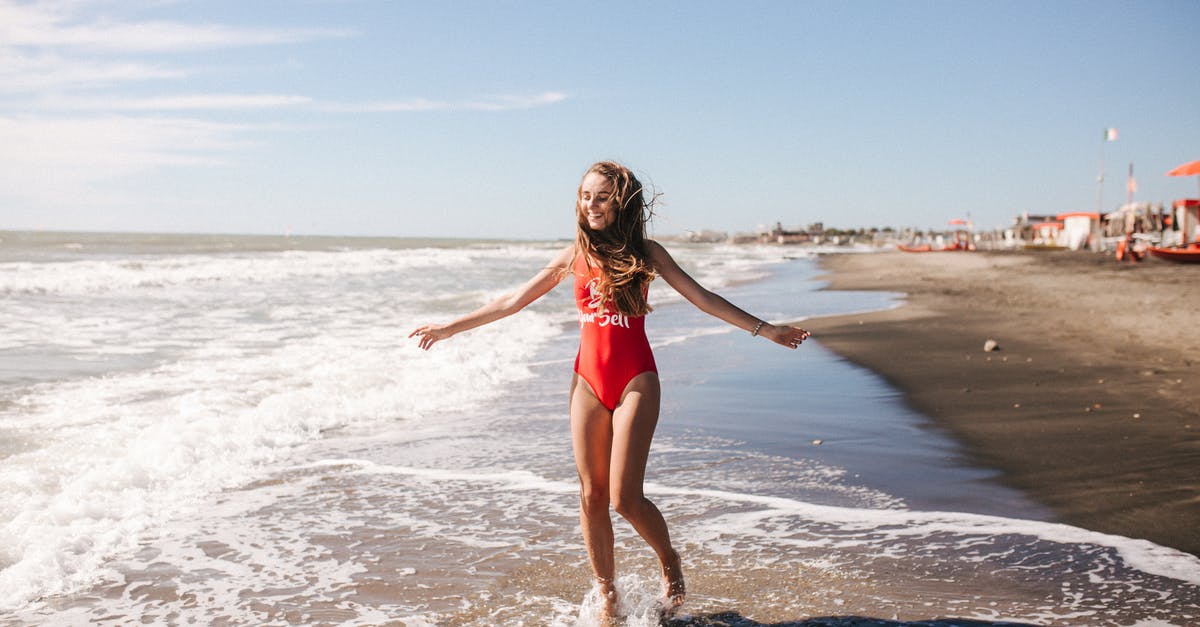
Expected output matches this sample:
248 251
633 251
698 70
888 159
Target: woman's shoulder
656 252
564 256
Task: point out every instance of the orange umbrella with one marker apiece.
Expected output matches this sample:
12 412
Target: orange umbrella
1191 168
1187 169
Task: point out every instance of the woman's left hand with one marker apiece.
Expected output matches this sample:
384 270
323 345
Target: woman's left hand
790 337
430 334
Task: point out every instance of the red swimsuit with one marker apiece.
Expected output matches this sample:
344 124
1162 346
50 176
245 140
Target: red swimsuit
613 348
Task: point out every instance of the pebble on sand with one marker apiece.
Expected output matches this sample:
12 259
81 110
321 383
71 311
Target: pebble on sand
990 346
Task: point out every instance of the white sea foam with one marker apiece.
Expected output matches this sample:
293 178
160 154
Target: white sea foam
639 604
894 523
235 388
146 446
235 269
421 524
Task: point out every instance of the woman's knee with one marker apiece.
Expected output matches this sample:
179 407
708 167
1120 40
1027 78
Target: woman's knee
628 503
592 497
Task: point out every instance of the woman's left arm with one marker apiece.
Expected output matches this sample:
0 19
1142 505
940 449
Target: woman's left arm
715 305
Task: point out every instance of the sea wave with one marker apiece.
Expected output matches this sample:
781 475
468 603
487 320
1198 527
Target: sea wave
210 367
235 269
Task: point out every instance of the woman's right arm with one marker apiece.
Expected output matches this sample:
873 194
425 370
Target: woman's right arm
504 306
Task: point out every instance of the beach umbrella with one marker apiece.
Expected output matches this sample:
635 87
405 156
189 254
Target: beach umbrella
1192 168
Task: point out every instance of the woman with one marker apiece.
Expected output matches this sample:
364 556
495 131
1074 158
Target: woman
615 390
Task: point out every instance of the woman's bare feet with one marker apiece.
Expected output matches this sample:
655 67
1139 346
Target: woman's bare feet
674 589
607 614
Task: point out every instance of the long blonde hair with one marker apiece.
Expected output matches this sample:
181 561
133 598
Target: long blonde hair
619 248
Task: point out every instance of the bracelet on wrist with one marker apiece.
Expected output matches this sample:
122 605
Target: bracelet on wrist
758 328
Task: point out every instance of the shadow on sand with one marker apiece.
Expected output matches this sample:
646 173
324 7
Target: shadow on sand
735 619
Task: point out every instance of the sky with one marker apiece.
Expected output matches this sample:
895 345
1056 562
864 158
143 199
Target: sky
477 119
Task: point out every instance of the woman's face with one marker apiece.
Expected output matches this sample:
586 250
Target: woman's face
596 201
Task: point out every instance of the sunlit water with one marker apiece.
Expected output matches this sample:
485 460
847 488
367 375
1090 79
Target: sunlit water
212 429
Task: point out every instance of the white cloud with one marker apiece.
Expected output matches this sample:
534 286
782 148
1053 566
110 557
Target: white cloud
71 135
52 161
185 102
494 103
214 102
22 73
114 144
39 25
56 46
505 103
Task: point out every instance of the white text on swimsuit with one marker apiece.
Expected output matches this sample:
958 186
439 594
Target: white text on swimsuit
604 319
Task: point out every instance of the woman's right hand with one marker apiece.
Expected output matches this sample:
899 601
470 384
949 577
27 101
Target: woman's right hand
430 334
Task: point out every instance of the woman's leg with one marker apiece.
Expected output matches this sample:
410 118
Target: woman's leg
591 440
633 424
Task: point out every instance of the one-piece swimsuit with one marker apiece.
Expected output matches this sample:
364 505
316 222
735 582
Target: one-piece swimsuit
613 348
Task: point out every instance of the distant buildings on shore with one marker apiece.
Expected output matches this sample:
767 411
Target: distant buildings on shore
1141 223
1138 222
814 234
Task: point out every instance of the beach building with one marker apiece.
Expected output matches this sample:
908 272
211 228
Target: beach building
1047 234
1080 229
1185 223
1033 230
1180 237
780 235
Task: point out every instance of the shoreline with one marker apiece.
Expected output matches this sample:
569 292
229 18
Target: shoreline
1089 403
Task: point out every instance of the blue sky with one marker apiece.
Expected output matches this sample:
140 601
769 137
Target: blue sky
477 119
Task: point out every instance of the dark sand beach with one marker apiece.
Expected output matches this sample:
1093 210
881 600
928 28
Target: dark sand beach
1090 404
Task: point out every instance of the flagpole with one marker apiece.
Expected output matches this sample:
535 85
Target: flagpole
1100 178
1110 134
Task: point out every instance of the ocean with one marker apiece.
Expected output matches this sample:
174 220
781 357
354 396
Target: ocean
208 429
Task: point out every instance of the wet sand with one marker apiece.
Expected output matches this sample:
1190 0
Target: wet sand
1091 403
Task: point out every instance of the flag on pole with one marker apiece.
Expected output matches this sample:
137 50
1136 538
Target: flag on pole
1110 134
